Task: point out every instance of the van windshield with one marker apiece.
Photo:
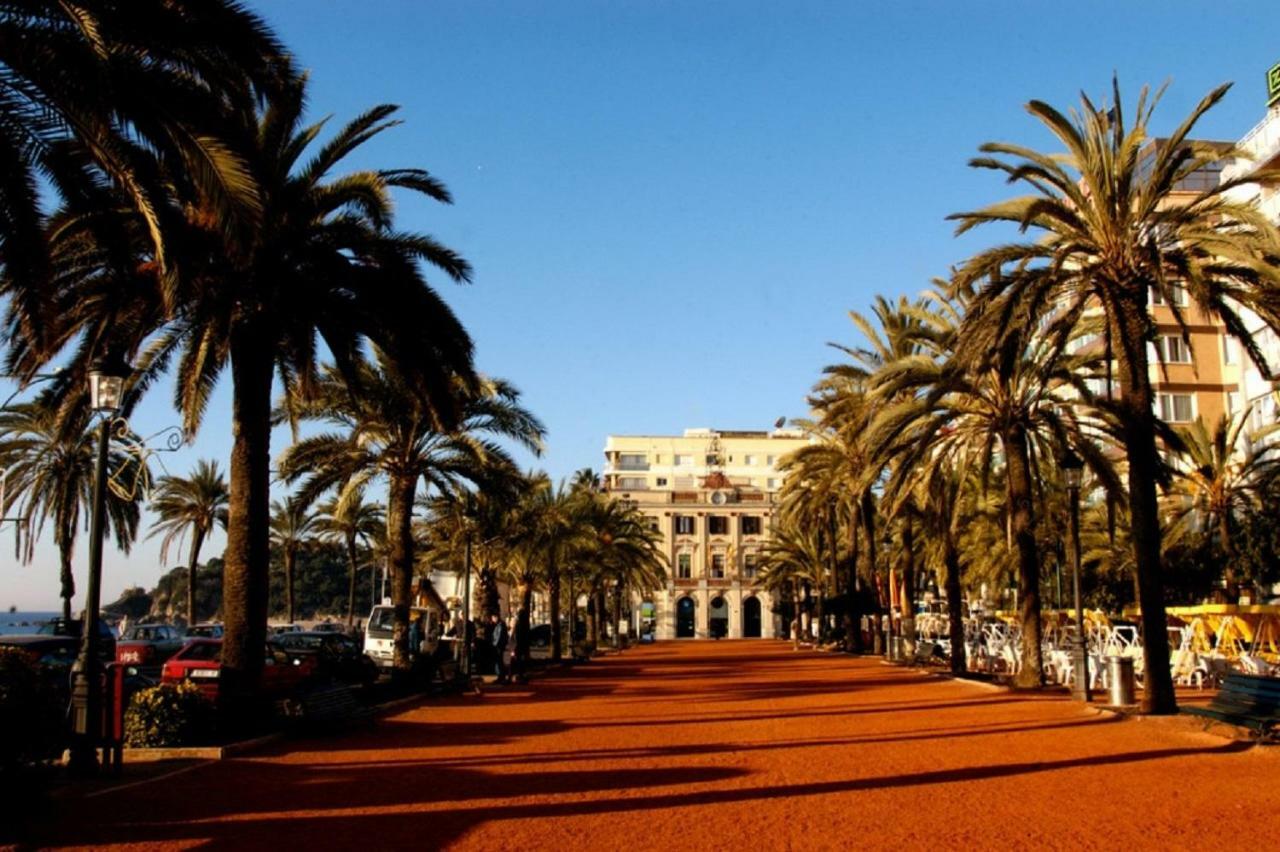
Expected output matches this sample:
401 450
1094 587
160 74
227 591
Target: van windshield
382 621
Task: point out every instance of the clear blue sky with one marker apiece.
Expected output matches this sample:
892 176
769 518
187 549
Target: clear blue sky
670 206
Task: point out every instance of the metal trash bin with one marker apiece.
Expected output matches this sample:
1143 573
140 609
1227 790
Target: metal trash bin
1120 680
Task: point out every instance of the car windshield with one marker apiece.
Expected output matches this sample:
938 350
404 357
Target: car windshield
202 651
147 633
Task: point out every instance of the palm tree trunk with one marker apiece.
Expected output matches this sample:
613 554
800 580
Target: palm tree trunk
197 540
955 607
247 561
854 623
909 584
289 559
1139 437
1031 674
68 581
352 564
553 593
400 539
867 513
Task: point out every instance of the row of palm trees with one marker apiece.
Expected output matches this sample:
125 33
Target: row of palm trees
938 443
165 201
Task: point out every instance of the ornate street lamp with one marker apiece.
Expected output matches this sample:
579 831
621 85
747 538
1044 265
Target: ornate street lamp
1072 471
106 393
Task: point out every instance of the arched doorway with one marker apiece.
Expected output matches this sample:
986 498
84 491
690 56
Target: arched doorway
718 618
751 618
684 618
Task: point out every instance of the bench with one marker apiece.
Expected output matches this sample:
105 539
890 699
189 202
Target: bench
1249 701
331 706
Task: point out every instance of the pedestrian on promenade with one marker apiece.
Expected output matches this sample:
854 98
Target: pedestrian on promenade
499 646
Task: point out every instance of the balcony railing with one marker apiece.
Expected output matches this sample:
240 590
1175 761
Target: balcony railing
1263 141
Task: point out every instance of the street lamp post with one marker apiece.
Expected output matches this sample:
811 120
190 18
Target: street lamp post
1072 468
106 392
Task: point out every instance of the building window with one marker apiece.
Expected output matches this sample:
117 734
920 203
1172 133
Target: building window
713 459
682 460
770 460
750 566
1175 407
750 525
717 566
633 461
1233 402
771 484
718 525
684 525
632 483
750 460
661 481
684 566
1179 296
1229 346
1174 350
653 524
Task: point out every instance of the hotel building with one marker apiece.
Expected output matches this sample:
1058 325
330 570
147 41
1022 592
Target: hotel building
713 496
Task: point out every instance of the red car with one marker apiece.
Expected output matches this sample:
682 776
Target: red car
147 646
200 661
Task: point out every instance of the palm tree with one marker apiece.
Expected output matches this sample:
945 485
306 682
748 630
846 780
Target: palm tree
1110 225
623 550
794 555
1000 411
197 503
325 266
292 528
388 432
347 520
49 468
129 83
1217 479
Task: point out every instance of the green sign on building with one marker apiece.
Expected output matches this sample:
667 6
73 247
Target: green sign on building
1273 85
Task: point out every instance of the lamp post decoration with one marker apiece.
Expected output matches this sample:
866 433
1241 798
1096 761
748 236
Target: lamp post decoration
107 380
1072 470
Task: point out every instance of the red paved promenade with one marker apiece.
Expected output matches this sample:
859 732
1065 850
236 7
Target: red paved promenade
730 745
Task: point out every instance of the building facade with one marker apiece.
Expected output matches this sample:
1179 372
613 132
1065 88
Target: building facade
713 496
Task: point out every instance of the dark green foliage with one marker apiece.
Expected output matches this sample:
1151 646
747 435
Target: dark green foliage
169 716
319 585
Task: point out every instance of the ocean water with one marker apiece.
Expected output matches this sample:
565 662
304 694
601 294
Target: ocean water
23 622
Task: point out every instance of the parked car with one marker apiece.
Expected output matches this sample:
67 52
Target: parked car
338 656
53 654
329 627
280 629
74 628
200 662
147 646
205 631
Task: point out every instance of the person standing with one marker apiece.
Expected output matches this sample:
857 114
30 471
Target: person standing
500 637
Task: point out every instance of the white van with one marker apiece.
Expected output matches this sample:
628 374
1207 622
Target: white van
378 633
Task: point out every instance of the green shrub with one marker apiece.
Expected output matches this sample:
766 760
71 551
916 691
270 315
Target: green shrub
169 716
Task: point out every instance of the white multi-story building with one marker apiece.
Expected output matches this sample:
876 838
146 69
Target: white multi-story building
1262 146
713 495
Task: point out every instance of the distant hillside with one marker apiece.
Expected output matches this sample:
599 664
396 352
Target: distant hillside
320 589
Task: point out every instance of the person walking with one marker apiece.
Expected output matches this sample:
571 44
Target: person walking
499 644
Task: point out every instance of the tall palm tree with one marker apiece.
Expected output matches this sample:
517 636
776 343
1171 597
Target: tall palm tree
130 83
325 266
1110 224
623 550
49 470
794 554
347 520
195 504
293 527
387 432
